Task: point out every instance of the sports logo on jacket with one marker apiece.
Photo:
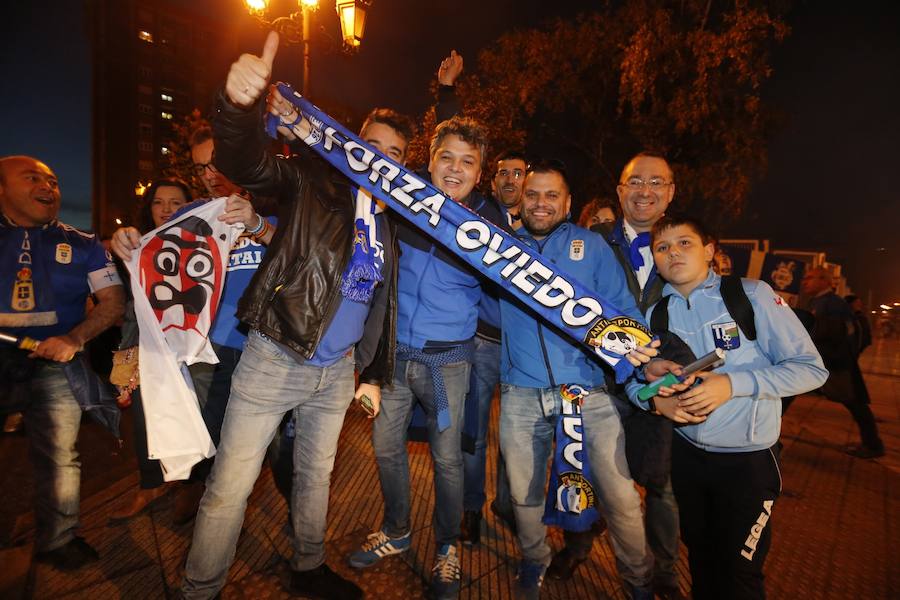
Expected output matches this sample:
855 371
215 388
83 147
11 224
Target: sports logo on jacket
576 250
727 336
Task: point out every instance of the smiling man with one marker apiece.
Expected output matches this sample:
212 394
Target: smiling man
646 189
437 313
47 271
540 369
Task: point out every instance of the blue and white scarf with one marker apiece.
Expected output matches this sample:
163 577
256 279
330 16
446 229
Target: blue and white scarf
555 296
363 272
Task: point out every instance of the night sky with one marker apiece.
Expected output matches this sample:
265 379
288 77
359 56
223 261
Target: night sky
833 182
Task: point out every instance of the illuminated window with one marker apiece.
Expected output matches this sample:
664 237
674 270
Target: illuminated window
165 97
166 115
146 146
165 150
145 36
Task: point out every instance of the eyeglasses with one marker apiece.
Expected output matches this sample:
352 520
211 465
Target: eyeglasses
199 168
656 184
514 174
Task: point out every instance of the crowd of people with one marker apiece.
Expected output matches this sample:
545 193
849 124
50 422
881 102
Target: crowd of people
300 335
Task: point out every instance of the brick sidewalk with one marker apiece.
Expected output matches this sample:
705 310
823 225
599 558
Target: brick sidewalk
833 527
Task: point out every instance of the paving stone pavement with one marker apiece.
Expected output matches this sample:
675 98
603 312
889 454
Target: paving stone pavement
834 527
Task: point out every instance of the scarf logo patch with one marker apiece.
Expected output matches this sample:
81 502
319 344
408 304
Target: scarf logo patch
727 336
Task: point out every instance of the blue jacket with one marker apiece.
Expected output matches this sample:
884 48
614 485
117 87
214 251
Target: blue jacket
438 294
533 354
782 361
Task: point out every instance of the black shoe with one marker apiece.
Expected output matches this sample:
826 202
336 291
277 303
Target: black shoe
74 555
324 583
470 529
506 516
865 452
563 565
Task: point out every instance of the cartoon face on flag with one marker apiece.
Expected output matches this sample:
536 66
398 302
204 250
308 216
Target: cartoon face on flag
182 274
179 275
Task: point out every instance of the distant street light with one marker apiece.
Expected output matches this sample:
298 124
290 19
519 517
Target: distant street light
294 28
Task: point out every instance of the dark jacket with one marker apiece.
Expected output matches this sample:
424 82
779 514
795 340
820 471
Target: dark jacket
614 234
296 290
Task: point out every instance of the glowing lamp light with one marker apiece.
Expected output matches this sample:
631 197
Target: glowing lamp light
257 6
886 307
352 14
308 4
140 187
118 221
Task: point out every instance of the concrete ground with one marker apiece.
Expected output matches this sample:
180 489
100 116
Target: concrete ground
834 528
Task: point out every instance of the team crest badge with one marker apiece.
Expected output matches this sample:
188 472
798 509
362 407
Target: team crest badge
576 250
783 275
574 494
63 254
23 291
727 336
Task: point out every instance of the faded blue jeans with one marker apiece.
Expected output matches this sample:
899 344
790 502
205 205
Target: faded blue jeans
268 382
52 420
482 383
412 381
527 424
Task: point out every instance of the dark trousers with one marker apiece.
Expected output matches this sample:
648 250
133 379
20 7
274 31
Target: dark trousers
725 501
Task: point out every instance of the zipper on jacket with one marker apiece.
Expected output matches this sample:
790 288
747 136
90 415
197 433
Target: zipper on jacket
540 249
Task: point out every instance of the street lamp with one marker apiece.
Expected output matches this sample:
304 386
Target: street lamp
294 28
352 14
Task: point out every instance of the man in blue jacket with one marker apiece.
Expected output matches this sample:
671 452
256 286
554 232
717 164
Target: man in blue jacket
47 271
437 314
537 365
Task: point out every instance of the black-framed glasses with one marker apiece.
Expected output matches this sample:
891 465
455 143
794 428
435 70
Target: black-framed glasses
200 168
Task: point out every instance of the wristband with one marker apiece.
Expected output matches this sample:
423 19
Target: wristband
259 227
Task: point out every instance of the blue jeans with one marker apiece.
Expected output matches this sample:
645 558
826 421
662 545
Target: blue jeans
52 420
482 383
267 383
527 424
412 381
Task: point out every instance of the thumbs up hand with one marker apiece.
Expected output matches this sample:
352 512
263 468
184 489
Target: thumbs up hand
249 76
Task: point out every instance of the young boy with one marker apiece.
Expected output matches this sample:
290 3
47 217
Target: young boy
725 470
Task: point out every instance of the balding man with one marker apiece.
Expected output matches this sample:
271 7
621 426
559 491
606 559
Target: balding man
834 334
646 188
47 270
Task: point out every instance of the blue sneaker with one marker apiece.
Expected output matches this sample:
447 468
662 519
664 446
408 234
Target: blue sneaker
529 580
445 573
377 546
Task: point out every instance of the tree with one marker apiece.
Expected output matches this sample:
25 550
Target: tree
179 157
679 77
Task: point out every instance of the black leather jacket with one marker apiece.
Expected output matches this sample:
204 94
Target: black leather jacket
295 292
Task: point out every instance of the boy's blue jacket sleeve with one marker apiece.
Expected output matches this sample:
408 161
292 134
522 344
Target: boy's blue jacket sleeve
796 365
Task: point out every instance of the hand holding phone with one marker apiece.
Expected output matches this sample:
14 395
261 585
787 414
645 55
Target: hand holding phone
714 359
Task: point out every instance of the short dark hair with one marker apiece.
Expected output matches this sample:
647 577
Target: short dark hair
669 221
469 130
591 208
144 216
400 123
551 165
511 154
203 133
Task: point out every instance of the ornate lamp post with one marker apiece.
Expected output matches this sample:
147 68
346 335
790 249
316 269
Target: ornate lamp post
294 28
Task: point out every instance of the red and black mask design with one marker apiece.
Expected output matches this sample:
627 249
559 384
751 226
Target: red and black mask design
182 276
